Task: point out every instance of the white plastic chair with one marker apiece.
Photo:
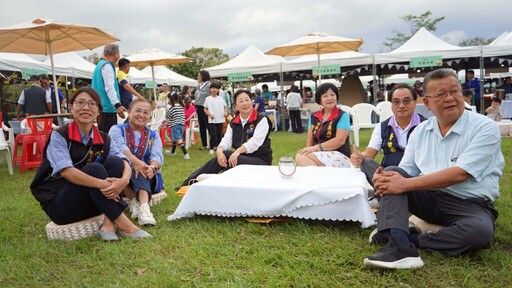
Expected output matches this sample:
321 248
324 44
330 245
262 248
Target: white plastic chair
362 118
157 117
6 146
194 128
384 110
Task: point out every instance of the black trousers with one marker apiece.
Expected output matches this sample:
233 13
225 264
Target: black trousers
74 203
296 121
107 120
203 124
469 223
213 167
215 130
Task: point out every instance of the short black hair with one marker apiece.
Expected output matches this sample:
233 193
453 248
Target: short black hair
215 84
241 91
123 62
403 86
322 89
34 78
44 77
467 93
496 100
264 86
294 88
471 72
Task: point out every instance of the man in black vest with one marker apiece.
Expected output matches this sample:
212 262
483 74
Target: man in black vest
390 135
35 99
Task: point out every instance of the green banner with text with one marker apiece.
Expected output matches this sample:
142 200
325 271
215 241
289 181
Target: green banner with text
431 61
150 84
327 69
240 77
27 72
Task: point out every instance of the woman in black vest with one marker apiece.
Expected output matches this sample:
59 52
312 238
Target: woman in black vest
327 143
247 134
83 173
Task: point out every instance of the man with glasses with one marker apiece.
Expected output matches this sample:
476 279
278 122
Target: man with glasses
45 83
449 175
390 135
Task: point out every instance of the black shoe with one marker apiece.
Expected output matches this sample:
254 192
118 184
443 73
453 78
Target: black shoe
395 255
378 238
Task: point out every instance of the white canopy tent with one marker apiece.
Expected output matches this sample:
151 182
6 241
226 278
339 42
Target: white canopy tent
500 47
252 59
423 44
17 61
347 58
72 65
136 76
166 75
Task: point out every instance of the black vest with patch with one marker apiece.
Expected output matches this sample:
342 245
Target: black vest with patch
44 187
327 130
242 134
393 153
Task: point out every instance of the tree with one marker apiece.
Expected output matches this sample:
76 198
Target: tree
475 41
201 58
93 58
415 23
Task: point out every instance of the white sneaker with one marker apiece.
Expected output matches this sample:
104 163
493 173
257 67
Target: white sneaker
211 152
186 157
169 153
145 216
134 208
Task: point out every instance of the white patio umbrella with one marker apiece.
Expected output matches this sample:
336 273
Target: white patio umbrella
316 43
154 57
47 37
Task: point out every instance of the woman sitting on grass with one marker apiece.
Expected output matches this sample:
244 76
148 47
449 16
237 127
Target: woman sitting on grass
143 148
83 173
247 134
327 143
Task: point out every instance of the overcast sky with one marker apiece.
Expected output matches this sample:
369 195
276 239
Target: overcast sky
232 25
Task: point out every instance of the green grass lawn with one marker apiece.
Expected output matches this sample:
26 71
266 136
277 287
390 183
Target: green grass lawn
218 252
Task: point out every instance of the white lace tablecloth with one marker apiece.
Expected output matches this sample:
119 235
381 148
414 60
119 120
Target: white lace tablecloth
321 193
505 128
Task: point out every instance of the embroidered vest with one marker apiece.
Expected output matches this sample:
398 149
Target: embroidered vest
143 150
242 134
324 131
393 153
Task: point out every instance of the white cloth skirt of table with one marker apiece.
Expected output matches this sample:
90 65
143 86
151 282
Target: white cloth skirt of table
506 109
321 193
505 128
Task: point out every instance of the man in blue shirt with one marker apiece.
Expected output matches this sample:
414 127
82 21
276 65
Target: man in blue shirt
473 84
449 175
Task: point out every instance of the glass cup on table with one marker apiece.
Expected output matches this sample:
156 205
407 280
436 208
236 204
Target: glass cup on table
287 166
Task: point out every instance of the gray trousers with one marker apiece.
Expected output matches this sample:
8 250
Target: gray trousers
469 223
368 167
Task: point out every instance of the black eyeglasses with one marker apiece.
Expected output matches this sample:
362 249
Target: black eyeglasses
81 103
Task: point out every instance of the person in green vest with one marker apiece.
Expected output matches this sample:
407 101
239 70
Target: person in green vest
104 81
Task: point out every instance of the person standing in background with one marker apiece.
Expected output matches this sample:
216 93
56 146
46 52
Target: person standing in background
202 91
104 81
294 104
34 99
473 84
126 91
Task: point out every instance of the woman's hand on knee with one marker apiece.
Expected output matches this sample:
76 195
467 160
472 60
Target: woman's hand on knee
233 159
221 159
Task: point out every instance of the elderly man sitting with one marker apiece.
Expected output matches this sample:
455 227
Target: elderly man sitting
392 134
449 175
